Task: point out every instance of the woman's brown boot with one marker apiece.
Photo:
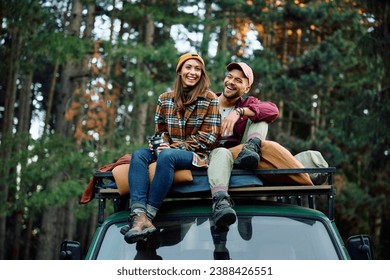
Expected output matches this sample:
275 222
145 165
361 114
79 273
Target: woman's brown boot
141 227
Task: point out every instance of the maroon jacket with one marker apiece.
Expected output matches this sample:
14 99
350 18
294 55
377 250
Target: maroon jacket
264 111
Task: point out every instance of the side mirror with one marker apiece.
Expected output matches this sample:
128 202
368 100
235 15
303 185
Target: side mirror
360 247
70 250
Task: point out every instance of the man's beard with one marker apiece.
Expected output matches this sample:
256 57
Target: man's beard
232 96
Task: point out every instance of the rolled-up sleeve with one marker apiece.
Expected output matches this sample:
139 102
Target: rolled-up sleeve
264 110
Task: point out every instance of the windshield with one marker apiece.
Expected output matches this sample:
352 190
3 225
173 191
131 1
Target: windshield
250 238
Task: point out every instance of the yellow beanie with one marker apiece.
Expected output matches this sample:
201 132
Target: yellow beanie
186 57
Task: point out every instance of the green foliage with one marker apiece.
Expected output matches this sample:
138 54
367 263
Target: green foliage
58 196
47 160
56 47
341 67
355 210
19 12
120 145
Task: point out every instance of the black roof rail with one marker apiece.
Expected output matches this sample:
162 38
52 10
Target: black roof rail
105 188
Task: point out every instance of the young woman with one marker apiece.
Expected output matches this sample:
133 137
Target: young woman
188 117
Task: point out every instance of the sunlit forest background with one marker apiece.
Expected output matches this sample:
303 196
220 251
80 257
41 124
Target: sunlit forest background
79 81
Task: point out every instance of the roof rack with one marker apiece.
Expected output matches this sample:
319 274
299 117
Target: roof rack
105 188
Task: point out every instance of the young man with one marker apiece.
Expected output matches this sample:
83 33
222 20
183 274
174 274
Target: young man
244 120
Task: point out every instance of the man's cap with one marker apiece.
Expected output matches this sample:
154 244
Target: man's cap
186 57
244 68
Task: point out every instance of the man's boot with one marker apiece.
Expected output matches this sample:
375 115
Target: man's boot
249 157
223 213
141 227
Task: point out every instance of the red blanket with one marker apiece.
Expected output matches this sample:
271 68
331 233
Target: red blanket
88 192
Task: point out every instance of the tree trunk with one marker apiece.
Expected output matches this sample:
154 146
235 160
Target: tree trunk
7 131
48 247
113 98
142 101
28 239
24 117
16 236
52 219
204 46
70 223
223 37
66 90
51 97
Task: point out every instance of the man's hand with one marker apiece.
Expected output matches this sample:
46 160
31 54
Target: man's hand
229 122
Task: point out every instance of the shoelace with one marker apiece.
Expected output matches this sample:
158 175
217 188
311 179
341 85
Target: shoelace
132 217
222 202
251 145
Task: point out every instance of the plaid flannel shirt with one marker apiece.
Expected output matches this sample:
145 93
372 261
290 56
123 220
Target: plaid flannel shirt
196 129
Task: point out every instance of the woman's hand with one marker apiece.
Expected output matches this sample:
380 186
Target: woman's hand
150 146
163 146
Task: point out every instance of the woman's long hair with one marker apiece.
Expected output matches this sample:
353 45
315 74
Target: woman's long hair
184 97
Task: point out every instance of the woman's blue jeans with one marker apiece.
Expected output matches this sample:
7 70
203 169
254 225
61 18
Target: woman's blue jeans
167 161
